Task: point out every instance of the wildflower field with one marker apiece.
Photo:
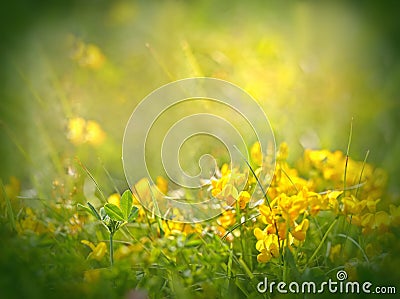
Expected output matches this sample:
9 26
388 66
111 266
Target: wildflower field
100 197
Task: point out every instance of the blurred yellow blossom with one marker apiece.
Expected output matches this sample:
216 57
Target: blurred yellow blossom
243 199
29 221
162 184
13 188
81 131
335 252
115 199
173 227
86 55
395 215
98 251
227 218
256 154
94 133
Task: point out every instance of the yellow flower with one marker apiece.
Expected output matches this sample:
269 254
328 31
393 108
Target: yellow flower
300 230
371 205
267 244
227 219
76 130
243 199
225 170
219 184
379 220
395 215
87 55
94 133
372 250
162 184
256 154
13 188
30 222
332 201
352 205
98 251
114 199
92 275
283 151
173 227
335 252
268 215
264 256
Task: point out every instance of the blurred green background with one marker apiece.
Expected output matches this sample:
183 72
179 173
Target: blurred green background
313 66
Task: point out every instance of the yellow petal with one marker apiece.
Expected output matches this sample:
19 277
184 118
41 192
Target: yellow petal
258 233
99 252
162 184
260 245
256 154
264 256
88 243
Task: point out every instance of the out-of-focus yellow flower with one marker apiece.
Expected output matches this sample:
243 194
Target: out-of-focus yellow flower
173 227
98 251
225 170
256 154
115 199
87 55
351 205
243 199
76 130
372 250
219 184
30 222
94 133
92 275
162 184
81 131
351 270
371 204
126 250
377 221
283 151
227 219
334 253
13 188
395 215
122 12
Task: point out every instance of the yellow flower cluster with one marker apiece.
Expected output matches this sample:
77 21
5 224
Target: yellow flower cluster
226 187
295 195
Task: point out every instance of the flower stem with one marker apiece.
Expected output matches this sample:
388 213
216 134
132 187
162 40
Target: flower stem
111 249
